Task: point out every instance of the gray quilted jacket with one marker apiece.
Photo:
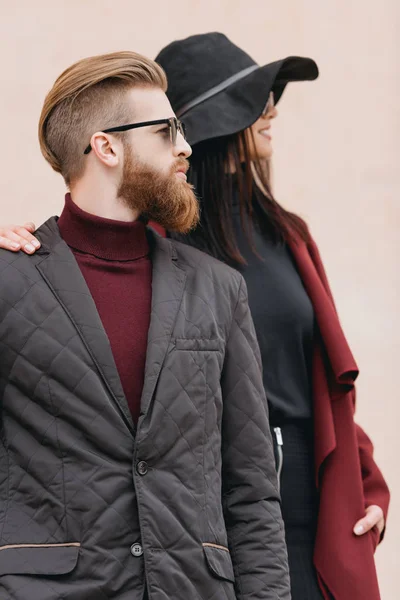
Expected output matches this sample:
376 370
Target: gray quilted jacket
92 509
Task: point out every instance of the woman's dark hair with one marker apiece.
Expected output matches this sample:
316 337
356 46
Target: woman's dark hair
222 174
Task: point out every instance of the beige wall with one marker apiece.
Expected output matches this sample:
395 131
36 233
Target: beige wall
336 143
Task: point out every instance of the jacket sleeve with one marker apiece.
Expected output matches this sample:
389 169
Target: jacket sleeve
249 485
376 490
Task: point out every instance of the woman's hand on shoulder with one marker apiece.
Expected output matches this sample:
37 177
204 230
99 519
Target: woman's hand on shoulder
19 237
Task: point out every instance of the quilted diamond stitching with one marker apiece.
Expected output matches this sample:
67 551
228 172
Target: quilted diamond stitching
223 287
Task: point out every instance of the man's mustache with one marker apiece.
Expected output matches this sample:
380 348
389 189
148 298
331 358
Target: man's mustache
181 164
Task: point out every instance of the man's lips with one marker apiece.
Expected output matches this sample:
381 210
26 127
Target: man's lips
181 173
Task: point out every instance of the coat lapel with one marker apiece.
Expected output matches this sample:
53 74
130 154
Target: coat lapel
59 269
334 368
168 285
309 264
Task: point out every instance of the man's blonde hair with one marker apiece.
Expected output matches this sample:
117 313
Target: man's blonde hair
87 97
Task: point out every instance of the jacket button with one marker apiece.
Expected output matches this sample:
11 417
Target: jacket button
136 550
142 467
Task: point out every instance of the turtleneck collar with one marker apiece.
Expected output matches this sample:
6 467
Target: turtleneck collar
103 238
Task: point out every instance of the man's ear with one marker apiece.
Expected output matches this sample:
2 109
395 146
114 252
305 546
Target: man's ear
107 149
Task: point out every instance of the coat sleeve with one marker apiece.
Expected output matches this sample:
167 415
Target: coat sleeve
376 490
249 485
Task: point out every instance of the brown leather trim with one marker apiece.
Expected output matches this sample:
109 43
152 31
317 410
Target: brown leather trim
207 545
14 546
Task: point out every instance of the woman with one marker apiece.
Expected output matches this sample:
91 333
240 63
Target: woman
334 498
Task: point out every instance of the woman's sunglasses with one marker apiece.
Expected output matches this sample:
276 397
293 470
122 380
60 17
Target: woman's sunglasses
270 104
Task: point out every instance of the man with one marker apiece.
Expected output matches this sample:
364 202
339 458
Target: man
135 449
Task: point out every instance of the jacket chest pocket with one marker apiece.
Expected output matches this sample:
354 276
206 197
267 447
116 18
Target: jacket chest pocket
198 344
192 374
198 361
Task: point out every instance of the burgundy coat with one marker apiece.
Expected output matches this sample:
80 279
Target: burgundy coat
346 474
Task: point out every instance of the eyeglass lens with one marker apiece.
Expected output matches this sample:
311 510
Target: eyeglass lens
270 104
174 127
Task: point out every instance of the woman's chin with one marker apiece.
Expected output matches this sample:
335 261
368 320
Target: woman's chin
264 151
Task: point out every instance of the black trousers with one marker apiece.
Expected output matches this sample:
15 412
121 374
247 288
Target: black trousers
299 507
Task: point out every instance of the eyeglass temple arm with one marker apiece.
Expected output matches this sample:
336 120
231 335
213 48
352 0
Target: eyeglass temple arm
131 126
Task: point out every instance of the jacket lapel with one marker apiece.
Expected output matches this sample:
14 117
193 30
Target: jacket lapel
59 269
168 285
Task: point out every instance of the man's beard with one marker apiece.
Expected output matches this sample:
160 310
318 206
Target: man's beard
165 199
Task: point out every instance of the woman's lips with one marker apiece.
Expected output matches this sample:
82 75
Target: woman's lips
265 133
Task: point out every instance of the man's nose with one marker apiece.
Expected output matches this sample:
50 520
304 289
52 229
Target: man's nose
181 147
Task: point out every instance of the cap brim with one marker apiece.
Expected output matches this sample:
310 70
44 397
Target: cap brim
237 107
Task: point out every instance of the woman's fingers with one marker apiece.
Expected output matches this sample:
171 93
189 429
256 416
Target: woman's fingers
8 243
29 226
15 237
373 517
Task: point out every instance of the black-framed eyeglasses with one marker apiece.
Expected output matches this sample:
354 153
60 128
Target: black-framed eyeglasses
173 123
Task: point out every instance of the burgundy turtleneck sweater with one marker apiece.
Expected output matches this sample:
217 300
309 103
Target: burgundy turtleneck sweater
115 261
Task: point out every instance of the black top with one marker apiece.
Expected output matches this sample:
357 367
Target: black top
284 320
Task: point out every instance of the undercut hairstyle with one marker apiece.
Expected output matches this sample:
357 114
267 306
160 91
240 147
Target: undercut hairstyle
224 175
87 97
